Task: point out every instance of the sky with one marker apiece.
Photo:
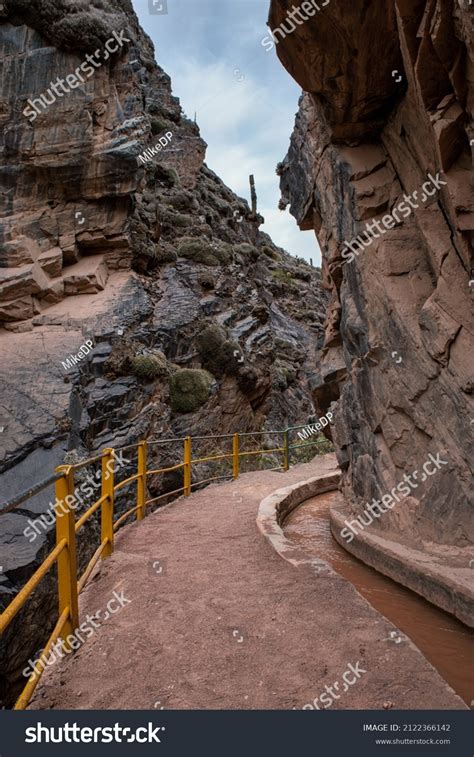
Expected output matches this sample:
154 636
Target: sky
245 101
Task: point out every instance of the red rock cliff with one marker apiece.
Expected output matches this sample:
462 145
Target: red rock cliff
388 100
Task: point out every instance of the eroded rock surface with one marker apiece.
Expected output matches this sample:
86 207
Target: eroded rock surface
388 103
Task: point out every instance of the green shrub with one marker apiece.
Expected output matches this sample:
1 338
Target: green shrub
316 446
164 113
158 126
145 257
280 169
222 251
248 378
283 276
82 28
221 206
217 352
325 446
247 252
173 178
165 255
302 275
151 366
210 341
270 253
119 361
290 375
302 261
180 219
189 389
166 176
246 249
200 251
182 201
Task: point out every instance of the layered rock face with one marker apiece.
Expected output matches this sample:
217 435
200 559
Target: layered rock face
114 232
388 106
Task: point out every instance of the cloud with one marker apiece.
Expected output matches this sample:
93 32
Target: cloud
223 103
245 102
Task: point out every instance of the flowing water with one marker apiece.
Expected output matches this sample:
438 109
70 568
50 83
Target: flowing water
446 642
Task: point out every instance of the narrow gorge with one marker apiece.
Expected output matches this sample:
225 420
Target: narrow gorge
144 310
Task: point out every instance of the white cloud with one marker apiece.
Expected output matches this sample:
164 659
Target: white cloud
246 122
221 102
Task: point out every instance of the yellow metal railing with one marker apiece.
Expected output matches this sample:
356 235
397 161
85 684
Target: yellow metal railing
67 528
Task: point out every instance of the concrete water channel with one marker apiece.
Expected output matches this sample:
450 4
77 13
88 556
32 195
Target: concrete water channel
446 642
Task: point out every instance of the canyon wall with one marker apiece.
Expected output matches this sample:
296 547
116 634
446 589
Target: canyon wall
114 233
387 105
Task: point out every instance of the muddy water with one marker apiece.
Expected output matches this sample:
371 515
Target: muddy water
446 642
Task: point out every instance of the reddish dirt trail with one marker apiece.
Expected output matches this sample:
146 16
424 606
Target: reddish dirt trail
228 623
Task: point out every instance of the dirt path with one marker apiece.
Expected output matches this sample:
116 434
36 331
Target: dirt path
227 623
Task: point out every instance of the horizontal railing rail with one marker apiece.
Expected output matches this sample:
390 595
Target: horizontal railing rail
63 555
28 493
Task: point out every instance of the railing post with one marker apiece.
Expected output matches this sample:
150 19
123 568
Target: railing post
107 510
141 480
286 451
187 466
67 565
235 456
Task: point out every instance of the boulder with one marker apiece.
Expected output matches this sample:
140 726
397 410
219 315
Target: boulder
19 252
88 276
17 310
51 261
29 279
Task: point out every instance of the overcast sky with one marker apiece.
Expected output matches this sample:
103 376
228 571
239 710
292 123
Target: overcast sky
244 99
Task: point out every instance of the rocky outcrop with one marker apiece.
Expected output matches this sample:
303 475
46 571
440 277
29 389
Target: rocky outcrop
115 232
380 166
